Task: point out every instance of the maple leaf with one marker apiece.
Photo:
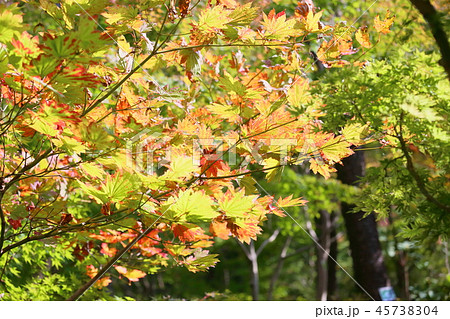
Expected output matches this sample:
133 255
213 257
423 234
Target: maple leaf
242 15
277 27
15 223
92 271
362 36
122 14
211 164
383 26
213 19
298 93
190 205
200 261
188 232
248 183
335 149
233 85
211 23
236 204
218 228
289 202
180 167
228 112
313 21
112 236
273 169
108 251
10 23
317 166
356 133
245 231
93 170
132 275
193 61
118 186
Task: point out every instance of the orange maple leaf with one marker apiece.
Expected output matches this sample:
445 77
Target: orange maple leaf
383 26
219 229
132 275
289 202
108 251
91 272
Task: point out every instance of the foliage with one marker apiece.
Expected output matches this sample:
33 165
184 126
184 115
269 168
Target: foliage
404 99
105 163
402 94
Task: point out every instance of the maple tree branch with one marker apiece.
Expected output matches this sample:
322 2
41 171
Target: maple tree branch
3 224
279 266
51 233
77 294
412 171
269 240
244 173
230 45
244 248
26 168
135 69
4 188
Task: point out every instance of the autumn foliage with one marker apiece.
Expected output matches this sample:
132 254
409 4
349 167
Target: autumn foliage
133 128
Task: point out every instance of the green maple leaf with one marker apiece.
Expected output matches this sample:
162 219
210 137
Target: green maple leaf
243 15
10 23
195 264
336 148
355 133
232 84
180 167
193 206
235 205
99 196
118 187
69 144
273 174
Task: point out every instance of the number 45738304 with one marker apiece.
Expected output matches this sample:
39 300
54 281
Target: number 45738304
407 310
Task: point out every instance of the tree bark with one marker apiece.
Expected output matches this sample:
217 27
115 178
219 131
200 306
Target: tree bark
277 272
323 225
368 264
332 281
255 271
431 16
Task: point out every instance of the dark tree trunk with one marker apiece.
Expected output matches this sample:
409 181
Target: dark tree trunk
323 226
430 14
332 283
368 264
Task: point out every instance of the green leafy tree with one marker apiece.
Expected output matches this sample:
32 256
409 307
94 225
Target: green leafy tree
128 128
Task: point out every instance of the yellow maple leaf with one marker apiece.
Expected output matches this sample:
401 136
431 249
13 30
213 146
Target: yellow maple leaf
362 36
277 27
382 26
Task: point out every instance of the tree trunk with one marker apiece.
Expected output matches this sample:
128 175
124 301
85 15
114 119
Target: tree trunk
368 264
255 271
332 283
430 15
323 225
277 272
